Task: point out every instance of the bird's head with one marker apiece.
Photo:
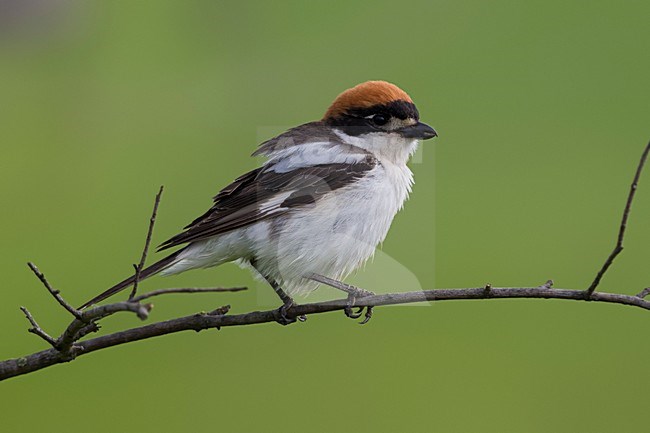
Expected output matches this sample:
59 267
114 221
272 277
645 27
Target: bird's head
377 108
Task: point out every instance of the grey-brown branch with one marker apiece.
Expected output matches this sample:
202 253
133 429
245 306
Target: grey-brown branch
218 319
152 222
621 230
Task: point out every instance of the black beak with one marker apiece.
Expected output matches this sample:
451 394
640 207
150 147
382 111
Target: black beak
419 130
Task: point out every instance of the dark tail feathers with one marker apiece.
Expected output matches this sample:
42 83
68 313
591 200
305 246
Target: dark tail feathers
146 273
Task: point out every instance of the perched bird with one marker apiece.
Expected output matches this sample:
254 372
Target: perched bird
320 205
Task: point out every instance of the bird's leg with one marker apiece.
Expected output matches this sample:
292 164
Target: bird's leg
353 293
287 301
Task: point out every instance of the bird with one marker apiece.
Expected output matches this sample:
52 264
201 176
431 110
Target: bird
319 205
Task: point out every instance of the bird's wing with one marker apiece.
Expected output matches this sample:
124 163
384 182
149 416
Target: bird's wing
265 192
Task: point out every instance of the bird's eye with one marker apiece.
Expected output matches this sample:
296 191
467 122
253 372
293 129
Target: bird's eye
379 119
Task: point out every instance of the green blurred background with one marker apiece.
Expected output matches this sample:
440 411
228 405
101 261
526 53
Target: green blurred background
542 109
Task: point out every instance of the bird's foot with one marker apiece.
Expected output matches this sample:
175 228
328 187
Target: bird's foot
352 298
283 318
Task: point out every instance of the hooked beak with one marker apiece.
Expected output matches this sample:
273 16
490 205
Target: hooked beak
420 130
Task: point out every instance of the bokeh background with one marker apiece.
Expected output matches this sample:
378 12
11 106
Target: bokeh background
542 109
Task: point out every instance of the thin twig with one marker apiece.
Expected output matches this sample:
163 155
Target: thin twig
87 322
201 321
80 327
57 295
36 329
88 329
645 292
621 231
145 250
186 290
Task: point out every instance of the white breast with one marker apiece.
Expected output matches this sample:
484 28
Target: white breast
339 233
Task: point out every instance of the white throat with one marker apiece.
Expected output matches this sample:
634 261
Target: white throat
385 146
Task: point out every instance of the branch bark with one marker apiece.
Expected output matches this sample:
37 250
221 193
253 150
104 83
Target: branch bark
621 230
201 321
152 222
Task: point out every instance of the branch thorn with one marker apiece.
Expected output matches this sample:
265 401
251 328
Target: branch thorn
487 290
547 285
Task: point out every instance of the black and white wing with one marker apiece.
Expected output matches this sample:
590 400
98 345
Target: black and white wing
265 192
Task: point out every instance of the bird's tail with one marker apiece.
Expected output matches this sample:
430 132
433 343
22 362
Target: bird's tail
146 273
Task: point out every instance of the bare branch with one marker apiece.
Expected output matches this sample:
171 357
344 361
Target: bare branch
57 295
86 321
186 290
147 242
37 330
201 321
81 327
621 231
